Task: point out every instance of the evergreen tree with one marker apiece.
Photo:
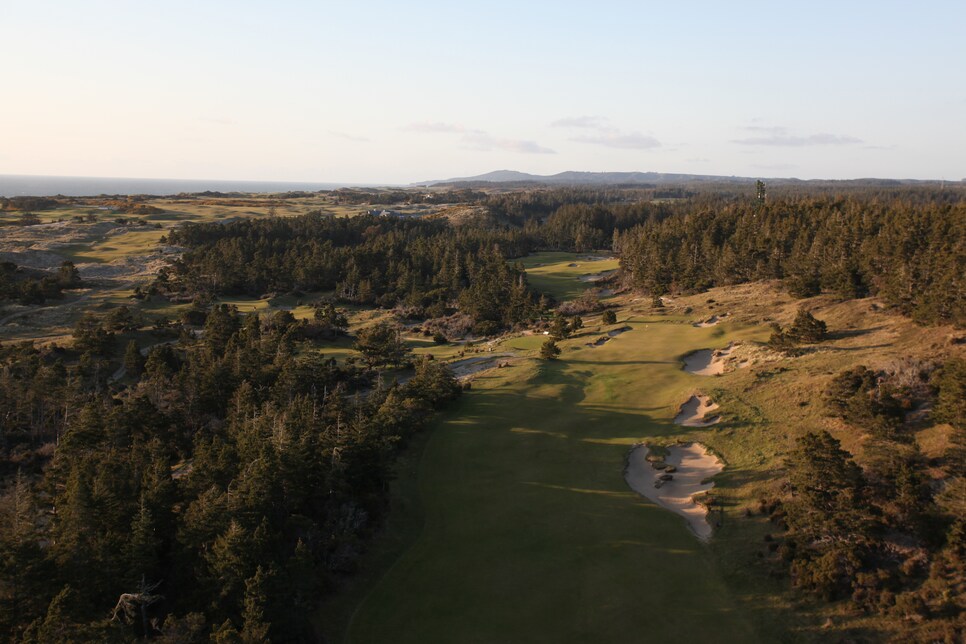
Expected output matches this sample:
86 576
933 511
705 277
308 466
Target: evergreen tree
559 329
133 360
805 328
951 397
381 344
91 336
549 349
254 627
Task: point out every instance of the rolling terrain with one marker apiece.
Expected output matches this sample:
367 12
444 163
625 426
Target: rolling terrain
529 532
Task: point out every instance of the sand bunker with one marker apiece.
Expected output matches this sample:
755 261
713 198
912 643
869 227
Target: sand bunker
599 342
613 333
467 367
691 466
597 277
694 413
706 362
711 321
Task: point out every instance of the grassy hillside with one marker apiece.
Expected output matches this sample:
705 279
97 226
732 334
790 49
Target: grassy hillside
528 531
531 533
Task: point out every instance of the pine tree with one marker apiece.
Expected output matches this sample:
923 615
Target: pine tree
254 625
559 329
951 399
381 344
133 360
549 350
828 490
144 546
806 328
22 563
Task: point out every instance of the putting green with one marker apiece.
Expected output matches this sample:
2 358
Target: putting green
530 533
558 273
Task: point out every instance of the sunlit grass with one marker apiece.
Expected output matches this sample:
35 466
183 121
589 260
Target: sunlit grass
558 273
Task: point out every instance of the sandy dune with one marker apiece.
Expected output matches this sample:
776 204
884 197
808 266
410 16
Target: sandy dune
706 362
694 413
693 464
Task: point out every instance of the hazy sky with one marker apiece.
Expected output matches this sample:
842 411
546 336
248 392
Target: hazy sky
404 91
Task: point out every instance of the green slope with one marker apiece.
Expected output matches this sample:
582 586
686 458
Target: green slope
530 533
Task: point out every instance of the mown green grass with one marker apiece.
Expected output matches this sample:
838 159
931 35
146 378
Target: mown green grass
552 273
530 533
125 244
526 531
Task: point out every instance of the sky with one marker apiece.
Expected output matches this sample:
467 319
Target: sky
398 92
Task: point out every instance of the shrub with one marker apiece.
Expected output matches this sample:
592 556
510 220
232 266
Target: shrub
806 328
549 350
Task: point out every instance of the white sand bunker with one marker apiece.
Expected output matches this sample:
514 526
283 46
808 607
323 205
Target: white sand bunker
674 482
613 333
706 362
711 321
467 367
694 413
597 277
604 339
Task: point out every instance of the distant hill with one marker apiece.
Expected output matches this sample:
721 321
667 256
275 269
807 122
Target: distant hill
512 178
572 177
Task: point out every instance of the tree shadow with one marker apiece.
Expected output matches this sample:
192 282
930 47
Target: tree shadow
842 334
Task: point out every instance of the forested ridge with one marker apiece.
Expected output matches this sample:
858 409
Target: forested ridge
908 247
911 253
223 492
905 246
427 265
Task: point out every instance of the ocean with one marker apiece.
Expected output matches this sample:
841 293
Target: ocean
12 185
